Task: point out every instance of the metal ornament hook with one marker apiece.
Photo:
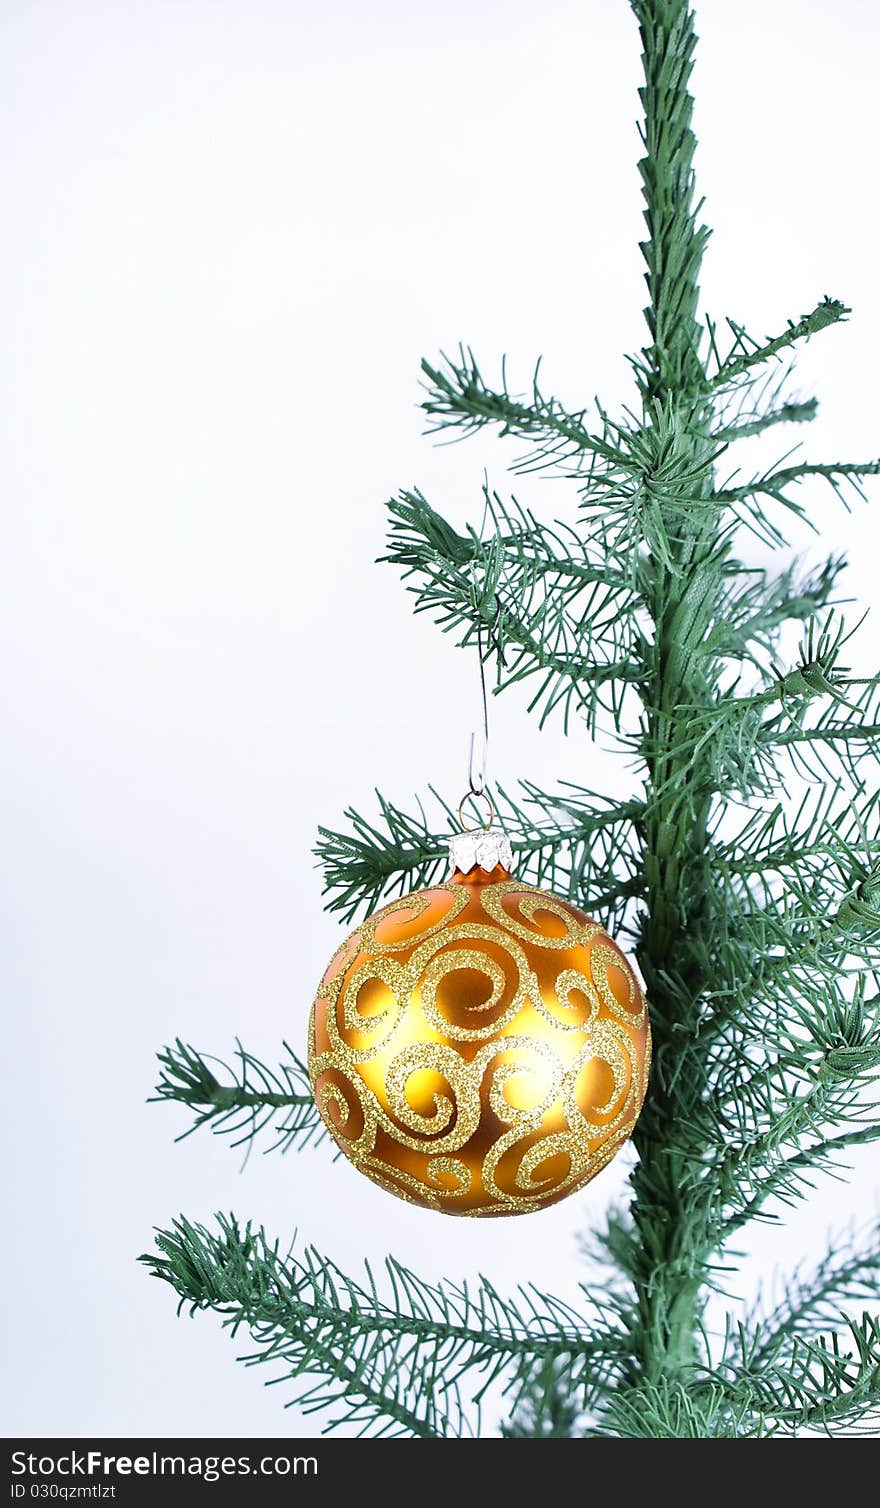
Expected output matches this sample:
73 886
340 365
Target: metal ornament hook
473 795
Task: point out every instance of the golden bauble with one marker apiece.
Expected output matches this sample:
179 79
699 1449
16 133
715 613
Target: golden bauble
481 1048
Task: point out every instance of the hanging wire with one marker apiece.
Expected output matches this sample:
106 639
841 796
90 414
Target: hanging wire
477 778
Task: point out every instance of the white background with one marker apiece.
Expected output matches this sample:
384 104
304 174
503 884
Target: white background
231 230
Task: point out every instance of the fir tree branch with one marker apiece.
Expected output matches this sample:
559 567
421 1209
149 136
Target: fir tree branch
786 952
787 413
546 607
458 397
747 353
671 1408
830 829
756 603
848 1380
258 1098
759 401
731 738
530 550
828 732
773 483
787 1179
848 1273
573 840
546 1410
813 1383
742 1174
843 735
395 1362
806 1070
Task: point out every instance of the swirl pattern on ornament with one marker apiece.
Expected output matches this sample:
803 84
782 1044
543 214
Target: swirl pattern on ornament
479 1048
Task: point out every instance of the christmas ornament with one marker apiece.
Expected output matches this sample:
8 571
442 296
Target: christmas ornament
480 1047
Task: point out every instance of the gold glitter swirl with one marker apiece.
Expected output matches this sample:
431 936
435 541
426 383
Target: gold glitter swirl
456 1112
604 956
350 1118
403 917
442 971
360 1035
610 1049
449 1167
507 902
479 1048
571 982
561 1145
430 969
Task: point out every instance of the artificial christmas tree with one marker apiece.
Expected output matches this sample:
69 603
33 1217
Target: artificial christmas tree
753 898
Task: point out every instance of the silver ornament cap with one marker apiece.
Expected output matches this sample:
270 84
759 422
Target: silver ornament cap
483 847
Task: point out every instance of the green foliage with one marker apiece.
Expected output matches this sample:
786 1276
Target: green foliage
796 1382
258 1098
746 353
390 1363
809 1301
745 866
546 1410
551 604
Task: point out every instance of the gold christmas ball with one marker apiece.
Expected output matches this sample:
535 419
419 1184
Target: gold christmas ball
480 1048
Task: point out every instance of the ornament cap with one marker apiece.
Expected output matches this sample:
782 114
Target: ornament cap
480 849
